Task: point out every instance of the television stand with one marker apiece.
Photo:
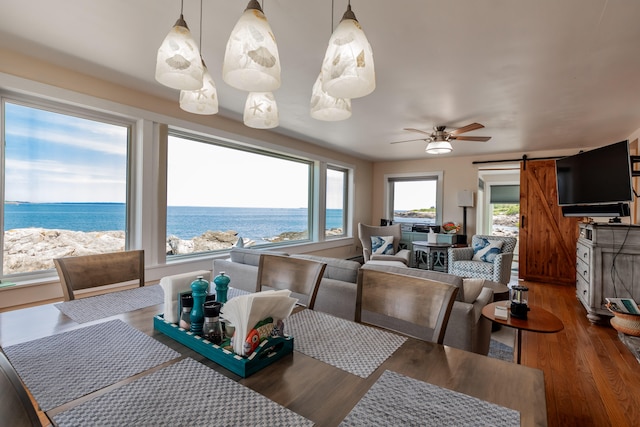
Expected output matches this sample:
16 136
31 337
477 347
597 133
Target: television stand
607 260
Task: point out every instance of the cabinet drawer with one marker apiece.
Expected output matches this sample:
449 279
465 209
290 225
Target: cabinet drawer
583 252
582 290
582 269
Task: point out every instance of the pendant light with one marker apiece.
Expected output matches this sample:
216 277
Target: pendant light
326 107
347 69
178 64
205 99
261 111
251 60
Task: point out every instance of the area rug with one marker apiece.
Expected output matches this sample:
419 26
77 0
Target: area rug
63 367
397 400
186 393
101 306
501 351
352 347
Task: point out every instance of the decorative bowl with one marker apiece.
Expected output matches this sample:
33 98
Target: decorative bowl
626 323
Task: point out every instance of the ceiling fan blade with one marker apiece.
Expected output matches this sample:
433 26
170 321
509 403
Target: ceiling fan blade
409 140
471 138
467 128
418 130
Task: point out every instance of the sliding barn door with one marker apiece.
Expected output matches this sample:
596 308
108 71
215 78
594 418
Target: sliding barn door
547 239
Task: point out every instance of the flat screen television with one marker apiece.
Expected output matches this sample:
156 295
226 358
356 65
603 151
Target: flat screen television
597 177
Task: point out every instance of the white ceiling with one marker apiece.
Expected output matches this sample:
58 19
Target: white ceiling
539 75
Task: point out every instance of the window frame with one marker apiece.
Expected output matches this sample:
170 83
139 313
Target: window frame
345 200
313 233
77 111
390 179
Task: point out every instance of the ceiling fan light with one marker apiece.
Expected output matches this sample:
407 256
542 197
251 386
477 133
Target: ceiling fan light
261 111
251 60
201 101
347 68
326 107
438 147
178 63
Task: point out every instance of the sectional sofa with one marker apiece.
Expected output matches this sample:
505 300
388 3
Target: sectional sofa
467 329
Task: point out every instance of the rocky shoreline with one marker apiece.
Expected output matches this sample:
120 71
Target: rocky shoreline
33 249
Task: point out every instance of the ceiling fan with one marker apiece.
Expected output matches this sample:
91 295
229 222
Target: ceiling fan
438 140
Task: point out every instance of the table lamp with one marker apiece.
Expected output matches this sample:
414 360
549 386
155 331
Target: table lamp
465 200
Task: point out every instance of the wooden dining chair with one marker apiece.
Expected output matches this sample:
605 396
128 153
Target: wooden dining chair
411 305
300 276
94 271
16 408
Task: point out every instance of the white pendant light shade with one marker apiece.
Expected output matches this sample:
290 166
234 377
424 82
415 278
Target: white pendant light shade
203 100
261 110
326 107
178 64
347 69
438 147
251 61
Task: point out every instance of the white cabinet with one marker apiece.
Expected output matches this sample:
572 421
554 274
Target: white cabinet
607 265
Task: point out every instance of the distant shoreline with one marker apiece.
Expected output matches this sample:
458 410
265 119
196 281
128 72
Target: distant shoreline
33 249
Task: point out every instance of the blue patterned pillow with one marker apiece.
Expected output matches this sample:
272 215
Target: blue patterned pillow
485 250
382 245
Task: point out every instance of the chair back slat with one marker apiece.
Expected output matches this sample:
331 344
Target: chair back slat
300 276
415 300
90 271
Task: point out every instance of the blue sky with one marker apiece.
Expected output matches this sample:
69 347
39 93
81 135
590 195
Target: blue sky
53 157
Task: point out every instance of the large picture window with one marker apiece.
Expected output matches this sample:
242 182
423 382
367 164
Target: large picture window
64 186
220 195
336 202
415 199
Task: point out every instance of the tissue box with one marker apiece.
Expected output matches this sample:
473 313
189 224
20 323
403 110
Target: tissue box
268 351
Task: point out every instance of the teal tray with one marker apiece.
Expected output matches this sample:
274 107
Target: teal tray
268 351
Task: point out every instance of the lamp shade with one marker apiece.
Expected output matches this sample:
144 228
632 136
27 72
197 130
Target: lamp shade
251 60
347 68
261 110
438 147
203 100
326 107
178 63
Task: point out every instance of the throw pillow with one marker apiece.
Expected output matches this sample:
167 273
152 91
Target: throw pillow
382 245
485 250
472 289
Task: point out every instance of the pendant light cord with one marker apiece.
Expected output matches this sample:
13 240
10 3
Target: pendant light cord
200 27
181 7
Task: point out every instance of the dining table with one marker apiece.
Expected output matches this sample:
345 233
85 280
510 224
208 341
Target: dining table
317 391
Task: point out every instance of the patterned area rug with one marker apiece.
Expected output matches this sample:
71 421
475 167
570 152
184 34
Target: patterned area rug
497 350
396 400
63 367
350 346
101 306
186 393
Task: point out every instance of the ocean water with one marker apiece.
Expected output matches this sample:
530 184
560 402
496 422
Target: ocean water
182 221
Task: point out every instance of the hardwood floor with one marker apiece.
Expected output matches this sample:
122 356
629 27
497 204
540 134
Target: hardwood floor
591 378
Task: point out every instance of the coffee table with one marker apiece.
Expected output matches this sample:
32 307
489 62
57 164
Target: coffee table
436 254
538 320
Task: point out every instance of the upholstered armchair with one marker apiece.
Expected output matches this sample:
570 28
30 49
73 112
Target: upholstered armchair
489 257
383 249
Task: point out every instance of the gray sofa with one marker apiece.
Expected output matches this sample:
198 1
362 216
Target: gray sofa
467 329
337 292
